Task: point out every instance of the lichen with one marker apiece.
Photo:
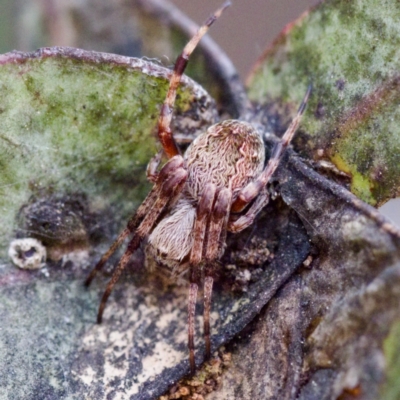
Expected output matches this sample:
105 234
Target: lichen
391 347
74 122
350 53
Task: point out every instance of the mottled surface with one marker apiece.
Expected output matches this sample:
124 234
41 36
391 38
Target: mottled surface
140 349
76 123
330 331
350 53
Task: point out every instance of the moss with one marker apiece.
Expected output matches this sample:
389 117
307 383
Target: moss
357 44
391 348
72 126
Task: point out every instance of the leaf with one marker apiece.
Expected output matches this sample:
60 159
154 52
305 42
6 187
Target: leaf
153 29
76 133
328 331
80 122
350 53
323 334
74 125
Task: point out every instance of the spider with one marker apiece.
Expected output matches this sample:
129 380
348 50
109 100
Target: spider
217 186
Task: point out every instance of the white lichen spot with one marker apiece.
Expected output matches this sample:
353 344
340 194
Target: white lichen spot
307 262
167 319
236 306
27 253
353 229
310 203
89 375
78 258
164 356
244 276
45 272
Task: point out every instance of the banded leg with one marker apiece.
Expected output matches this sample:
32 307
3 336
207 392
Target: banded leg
170 188
253 189
247 219
209 229
193 289
164 122
208 285
213 250
168 169
196 255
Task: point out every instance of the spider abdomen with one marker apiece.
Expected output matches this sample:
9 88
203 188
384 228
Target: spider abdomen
229 154
171 240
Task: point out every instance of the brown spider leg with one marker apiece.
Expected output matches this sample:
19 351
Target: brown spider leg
169 190
252 190
193 288
208 285
204 208
169 168
213 249
131 226
248 218
164 122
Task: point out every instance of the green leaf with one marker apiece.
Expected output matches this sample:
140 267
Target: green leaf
391 389
153 29
77 129
350 52
76 122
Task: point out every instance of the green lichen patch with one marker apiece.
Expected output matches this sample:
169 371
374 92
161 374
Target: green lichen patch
391 347
350 51
82 122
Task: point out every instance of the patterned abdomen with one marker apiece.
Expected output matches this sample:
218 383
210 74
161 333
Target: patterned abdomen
230 154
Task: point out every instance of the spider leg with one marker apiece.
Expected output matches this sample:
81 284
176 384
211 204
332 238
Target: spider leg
169 190
193 289
253 189
204 208
208 244
208 285
133 223
213 250
135 220
164 122
247 219
169 168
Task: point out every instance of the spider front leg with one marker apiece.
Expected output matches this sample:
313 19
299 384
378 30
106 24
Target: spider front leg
164 121
257 188
208 243
213 250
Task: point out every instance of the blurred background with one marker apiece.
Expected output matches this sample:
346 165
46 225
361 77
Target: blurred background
248 26
243 33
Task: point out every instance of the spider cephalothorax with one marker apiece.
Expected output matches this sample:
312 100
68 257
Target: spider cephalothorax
219 185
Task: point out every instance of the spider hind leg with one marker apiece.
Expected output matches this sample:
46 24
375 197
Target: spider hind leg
254 188
169 185
209 238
